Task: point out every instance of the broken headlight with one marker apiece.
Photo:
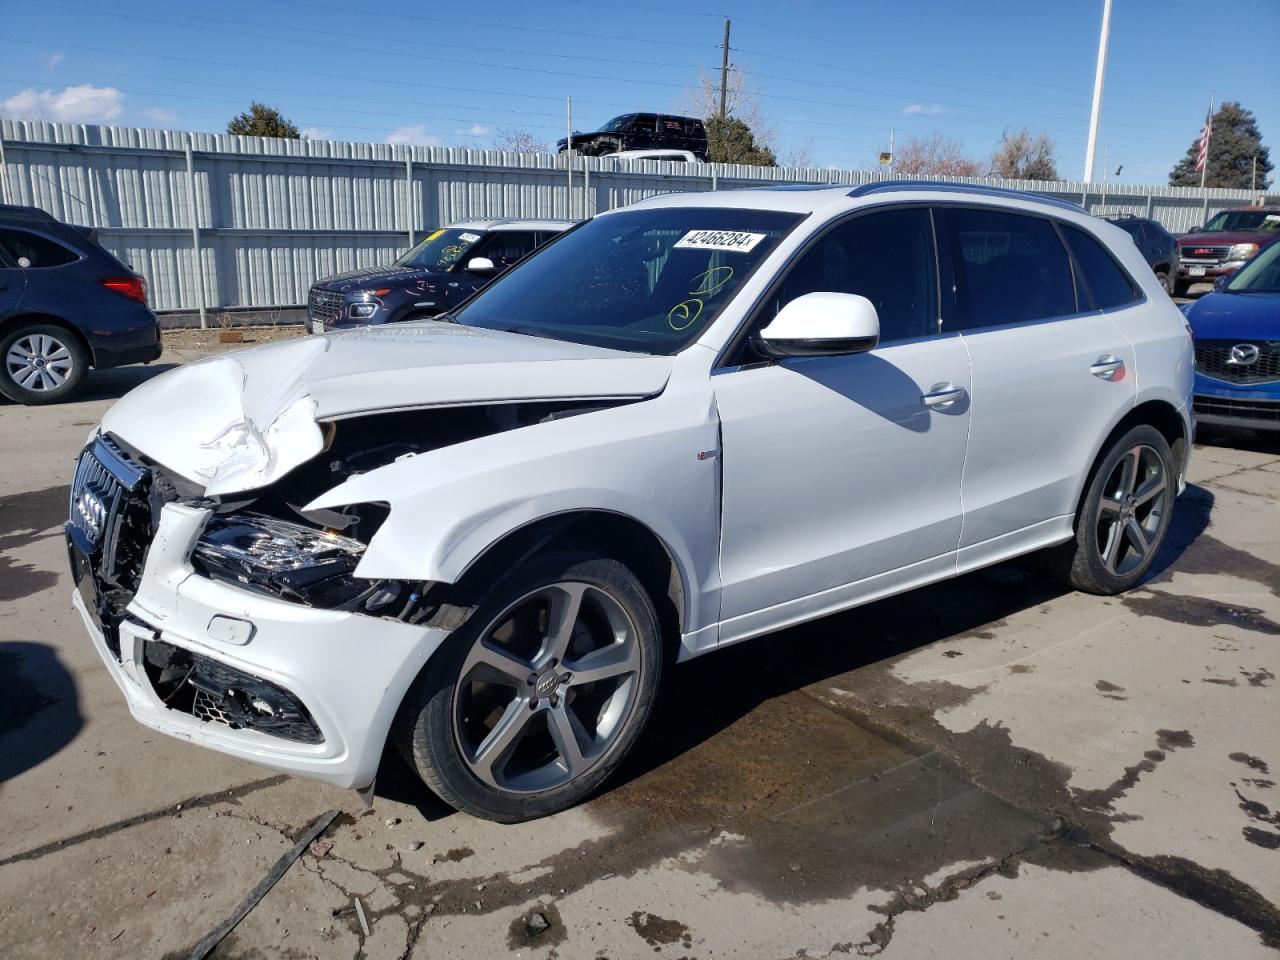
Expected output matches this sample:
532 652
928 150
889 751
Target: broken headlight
286 560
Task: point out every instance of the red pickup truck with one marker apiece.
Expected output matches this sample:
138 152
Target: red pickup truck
1223 244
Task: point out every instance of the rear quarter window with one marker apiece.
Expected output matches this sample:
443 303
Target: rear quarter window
36 250
1104 280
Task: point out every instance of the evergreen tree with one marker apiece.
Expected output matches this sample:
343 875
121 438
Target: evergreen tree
730 140
1234 141
262 121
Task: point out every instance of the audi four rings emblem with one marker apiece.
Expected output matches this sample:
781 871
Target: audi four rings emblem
1244 354
92 514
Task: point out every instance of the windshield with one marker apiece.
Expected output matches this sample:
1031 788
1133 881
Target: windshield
1259 275
441 250
618 124
1257 221
648 281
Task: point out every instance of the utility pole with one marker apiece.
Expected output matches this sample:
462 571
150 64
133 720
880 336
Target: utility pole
1253 184
568 155
724 70
1098 77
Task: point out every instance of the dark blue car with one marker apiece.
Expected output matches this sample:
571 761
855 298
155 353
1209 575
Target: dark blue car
1237 334
441 271
66 305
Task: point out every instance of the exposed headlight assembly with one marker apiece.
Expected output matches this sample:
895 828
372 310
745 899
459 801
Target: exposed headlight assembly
290 561
1242 251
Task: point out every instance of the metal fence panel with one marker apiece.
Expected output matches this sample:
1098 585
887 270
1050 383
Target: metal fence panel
275 215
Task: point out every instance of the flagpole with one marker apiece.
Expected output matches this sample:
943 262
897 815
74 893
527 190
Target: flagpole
1208 136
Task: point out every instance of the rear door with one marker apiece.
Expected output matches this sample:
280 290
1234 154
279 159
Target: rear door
1050 373
12 281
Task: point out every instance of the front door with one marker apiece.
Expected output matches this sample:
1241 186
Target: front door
842 474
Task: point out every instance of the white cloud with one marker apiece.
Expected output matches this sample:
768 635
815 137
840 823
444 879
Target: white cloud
316 133
476 130
84 103
160 116
415 136
54 60
928 109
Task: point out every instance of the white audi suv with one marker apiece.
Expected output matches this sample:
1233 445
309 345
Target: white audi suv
678 426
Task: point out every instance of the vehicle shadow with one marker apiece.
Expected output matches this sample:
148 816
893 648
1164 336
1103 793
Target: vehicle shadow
704 696
1258 441
40 709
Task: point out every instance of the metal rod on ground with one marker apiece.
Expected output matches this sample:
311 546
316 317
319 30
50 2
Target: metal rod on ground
195 234
1099 76
724 70
214 936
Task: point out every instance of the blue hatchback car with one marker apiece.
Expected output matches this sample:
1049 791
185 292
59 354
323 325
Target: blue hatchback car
1237 335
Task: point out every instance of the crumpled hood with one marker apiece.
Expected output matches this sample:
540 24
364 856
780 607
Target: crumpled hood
240 421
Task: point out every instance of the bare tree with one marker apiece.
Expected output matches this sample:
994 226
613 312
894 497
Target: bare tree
933 157
518 141
1024 157
800 155
742 102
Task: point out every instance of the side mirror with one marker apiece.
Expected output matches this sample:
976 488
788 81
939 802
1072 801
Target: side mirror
481 265
1221 282
1196 229
822 324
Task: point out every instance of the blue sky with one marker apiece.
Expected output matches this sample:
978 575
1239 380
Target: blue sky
834 76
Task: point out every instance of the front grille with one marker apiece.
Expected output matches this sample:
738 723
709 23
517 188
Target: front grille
1214 359
1261 410
325 305
108 529
1202 254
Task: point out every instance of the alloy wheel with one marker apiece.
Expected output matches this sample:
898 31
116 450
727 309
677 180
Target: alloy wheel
548 688
39 362
1131 510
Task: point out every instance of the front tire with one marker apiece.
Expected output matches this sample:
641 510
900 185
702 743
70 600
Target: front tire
531 704
1124 516
41 363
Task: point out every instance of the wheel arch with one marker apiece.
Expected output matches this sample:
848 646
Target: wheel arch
8 324
1162 415
620 536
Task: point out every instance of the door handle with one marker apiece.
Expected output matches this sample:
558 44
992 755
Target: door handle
1108 367
942 396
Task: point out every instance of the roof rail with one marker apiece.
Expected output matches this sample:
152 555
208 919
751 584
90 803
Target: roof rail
888 186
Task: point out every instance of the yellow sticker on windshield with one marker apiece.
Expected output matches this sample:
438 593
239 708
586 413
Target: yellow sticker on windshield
432 236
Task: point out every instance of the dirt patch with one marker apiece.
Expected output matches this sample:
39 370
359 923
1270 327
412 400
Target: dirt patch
657 931
209 339
1199 611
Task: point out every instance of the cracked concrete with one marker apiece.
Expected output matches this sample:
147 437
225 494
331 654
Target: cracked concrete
986 768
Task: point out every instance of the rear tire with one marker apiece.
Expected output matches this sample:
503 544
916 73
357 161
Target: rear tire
1123 517
503 723
41 363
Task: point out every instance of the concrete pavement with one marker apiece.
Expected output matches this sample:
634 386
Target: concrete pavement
988 768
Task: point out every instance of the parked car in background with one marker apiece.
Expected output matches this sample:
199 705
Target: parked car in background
441 271
642 131
1154 242
66 305
1237 335
684 424
1223 244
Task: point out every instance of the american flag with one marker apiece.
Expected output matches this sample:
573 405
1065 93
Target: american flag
1204 143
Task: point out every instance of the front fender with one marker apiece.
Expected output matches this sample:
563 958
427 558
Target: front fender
640 460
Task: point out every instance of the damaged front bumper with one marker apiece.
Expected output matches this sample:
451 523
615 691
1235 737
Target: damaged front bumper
342 673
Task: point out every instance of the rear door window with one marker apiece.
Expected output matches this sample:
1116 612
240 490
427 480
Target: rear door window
36 250
1107 285
1009 268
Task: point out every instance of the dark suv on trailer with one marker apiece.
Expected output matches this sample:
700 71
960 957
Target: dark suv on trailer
1222 245
442 270
642 131
1154 242
66 305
